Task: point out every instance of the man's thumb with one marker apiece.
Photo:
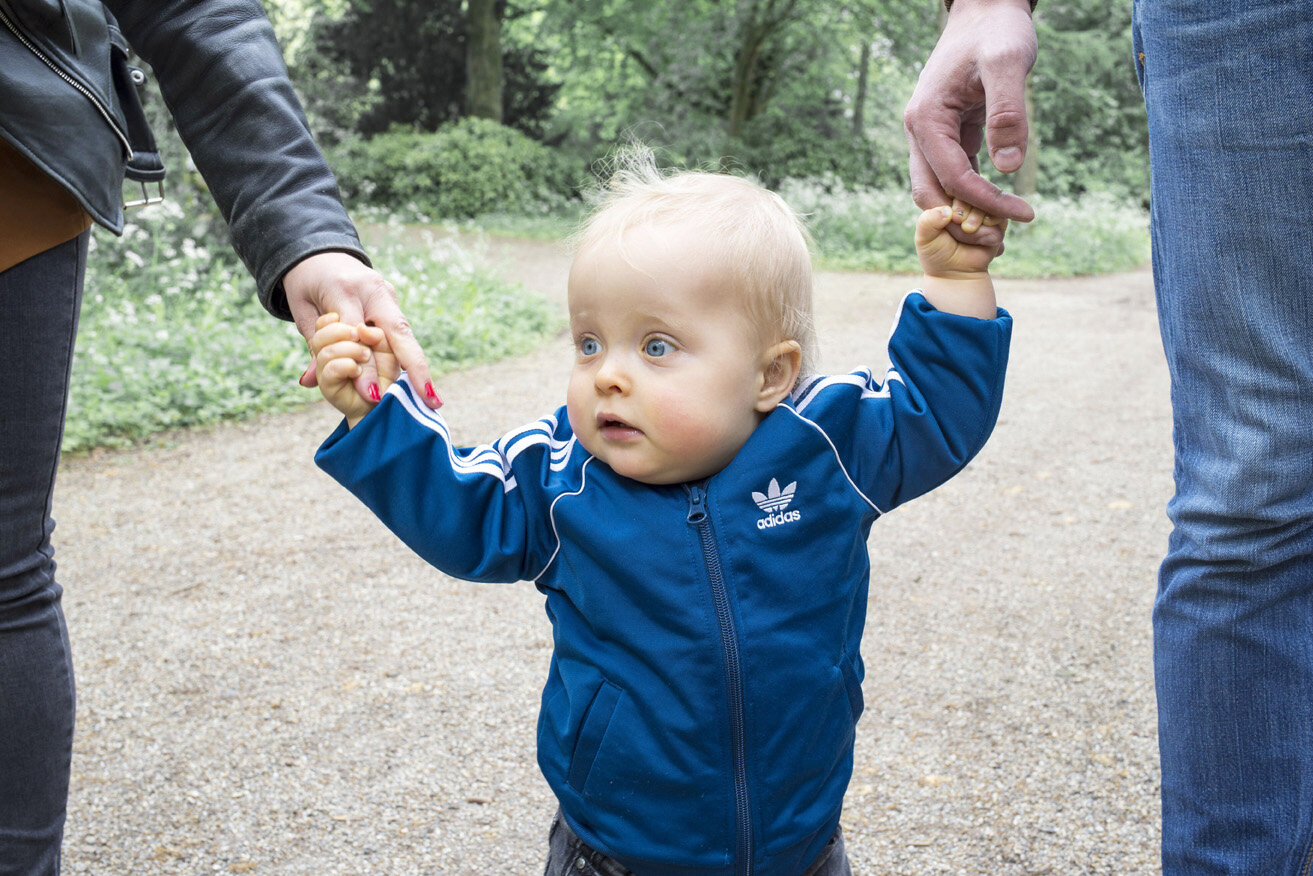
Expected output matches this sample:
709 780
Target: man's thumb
1006 126
1005 132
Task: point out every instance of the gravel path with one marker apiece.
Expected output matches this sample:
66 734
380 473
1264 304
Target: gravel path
270 684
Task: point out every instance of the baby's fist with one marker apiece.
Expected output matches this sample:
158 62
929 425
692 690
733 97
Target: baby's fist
941 254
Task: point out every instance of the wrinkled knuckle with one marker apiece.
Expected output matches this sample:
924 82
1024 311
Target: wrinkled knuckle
918 116
1007 116
911 115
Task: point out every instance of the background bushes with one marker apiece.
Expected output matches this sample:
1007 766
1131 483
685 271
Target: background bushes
464 169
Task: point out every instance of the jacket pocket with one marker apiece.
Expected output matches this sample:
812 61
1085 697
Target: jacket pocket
591 732
852 683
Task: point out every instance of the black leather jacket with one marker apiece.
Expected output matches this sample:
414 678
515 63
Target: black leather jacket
222 75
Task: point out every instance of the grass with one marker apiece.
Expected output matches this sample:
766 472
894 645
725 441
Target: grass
172 336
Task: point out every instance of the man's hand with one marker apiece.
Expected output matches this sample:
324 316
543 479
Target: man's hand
335 282
973 89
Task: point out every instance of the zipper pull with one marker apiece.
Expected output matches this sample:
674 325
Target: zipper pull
697 504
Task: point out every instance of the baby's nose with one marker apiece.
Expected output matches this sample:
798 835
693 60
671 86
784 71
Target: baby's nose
612 376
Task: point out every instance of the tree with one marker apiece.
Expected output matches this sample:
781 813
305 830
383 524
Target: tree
1026 181
483 58
725 62
760 29
398 62
774 85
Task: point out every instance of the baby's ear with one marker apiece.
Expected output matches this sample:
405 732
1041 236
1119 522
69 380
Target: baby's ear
780 366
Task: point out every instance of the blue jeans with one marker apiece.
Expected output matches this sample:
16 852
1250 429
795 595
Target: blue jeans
1229 92
39 301
567 855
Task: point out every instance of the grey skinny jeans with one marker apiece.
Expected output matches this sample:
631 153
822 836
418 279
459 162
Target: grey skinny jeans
39 303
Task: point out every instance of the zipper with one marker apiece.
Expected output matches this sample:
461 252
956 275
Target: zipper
82 89
729 643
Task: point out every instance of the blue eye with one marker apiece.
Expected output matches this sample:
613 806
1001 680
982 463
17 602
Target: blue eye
656 348
589 347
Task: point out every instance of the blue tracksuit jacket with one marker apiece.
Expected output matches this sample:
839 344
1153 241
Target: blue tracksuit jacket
699 713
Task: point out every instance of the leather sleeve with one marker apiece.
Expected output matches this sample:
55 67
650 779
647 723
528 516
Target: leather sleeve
223 77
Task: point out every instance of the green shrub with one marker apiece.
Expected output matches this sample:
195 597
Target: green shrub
814 143
871 229
466 169
1095 233
858 229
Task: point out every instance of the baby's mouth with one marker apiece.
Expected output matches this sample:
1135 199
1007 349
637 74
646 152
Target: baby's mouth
616 429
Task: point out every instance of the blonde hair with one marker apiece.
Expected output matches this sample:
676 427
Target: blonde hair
764 247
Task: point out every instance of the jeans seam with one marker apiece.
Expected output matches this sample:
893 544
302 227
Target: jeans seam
79 266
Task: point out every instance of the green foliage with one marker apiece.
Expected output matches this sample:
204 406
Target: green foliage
1090 115
770 87
471 167
1094 233
858 229
811 142
171 336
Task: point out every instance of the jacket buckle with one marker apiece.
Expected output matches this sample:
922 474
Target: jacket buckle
148 198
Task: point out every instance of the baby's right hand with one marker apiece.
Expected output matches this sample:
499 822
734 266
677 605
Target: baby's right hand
941 254
340 350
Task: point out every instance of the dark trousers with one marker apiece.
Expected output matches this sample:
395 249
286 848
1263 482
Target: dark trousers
567 855
39 303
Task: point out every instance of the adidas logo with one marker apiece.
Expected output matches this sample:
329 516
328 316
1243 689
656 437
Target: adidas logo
775 503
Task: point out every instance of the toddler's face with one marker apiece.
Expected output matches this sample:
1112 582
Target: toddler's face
667 367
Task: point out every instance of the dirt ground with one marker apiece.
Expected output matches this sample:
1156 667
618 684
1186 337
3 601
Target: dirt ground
269 683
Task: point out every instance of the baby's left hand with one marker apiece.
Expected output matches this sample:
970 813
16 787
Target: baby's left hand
944 256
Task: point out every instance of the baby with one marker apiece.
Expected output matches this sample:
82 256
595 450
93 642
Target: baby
696 516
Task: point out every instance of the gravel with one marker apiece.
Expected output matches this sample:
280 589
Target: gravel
270 684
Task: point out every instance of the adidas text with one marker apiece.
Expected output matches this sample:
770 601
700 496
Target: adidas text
779 519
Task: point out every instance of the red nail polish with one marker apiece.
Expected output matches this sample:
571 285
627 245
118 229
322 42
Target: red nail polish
373 392
428 390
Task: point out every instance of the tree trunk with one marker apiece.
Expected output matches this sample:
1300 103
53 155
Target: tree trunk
863 81
743 97
751 89
1026 181
483 70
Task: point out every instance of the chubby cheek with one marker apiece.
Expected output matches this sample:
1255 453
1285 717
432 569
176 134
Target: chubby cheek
688 425
579 410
